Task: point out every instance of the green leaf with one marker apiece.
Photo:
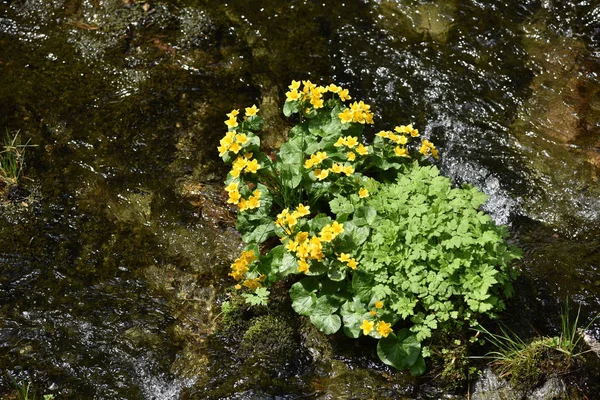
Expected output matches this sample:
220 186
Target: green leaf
261 233
260 297
291 175
291 107
291 152
328 324
419 367
400 350
364 216
337 272
303 295
362 284
289 264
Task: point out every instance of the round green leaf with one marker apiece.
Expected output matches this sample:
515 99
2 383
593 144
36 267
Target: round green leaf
326 323
401 351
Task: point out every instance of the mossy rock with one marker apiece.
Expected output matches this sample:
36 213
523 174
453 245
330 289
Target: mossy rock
270 341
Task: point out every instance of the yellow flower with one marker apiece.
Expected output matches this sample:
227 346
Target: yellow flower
235 173
326 235
253 202
253 283
373 313
345 116
362 150
344 95
337 168
351 156
379 304
434 153
243 205
238 286
239 163
292 95
343 257
291 246
233 186
241 138
383 134
333 88
339 143
295 85
222 150
233 113
401 152
303 210
316 101
348 170
303 266
352 263
337 228
350 141
367 327
248 256
309 163
403 129
384 328
234 197
257 193
252 166
235 147
401 139
362 193
321 156
251 111
231 122
321 174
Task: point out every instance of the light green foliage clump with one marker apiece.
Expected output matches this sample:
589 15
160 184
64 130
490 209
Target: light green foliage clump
432 256
379 239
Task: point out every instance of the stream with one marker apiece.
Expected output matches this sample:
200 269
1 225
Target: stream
115 252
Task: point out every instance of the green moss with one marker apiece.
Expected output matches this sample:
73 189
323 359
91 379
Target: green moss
270 341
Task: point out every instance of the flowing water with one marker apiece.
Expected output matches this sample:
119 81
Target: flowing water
114 255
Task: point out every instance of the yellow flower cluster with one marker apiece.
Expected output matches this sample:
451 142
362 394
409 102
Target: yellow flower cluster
384 328
287 220
401 140
235 141
240 266
315 159
244 164
306 249
331 231
362 193
235 197
358 112
351 142
427 147
313 93
232 142
254 283
349 261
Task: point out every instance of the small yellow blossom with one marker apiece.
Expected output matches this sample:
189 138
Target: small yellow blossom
384 328
251 111
379 304
339 143
350 141
362 193
333 88
233 186
373 313
343 257
292 95
348 170
351 156
235 147
303 266
401 152
337 228
321 174
253 202
253 283
362 150
309 163
234 197
231 122
352 263
302 210
367 326
295 85
243 205
337 168
238 286
233 113
345 116
241 138
252 166
344 94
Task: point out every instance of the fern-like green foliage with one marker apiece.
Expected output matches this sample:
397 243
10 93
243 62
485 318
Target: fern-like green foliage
433 257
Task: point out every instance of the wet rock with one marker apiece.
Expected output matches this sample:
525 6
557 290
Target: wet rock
491 387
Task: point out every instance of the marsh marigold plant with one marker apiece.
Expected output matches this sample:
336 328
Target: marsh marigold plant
382 245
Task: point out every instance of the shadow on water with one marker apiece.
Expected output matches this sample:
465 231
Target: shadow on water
112 270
